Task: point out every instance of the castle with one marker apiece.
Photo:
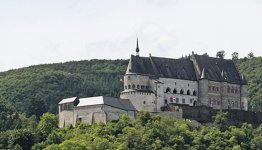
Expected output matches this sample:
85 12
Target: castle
151 83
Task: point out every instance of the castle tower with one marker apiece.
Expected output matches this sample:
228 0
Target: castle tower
223 92
243 94
203 89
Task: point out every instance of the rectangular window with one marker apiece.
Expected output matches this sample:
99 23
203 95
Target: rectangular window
191 100
183 100
177 100
171 99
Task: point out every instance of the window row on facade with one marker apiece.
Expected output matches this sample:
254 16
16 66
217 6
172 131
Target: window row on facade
137 87
231 103
213 89
66 106
232 89
177 100
136 93
168 90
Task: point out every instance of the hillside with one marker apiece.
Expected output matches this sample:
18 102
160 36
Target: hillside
38 89
252 69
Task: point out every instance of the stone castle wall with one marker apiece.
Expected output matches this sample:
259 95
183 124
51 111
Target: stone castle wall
204 114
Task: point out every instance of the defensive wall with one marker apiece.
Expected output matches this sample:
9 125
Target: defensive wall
204 114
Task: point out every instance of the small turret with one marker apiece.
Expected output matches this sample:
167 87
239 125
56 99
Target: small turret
243 80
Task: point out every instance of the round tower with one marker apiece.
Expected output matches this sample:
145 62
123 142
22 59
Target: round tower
203 89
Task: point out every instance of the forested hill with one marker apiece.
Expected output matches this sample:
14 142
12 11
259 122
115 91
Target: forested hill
38 89
252 69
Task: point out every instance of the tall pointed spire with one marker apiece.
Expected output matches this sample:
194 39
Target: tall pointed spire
137 48
203 74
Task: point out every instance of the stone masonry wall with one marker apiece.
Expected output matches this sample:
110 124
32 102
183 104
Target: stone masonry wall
204 114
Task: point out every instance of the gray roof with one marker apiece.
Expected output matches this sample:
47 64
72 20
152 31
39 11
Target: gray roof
217 69
124 104
162 67
68 100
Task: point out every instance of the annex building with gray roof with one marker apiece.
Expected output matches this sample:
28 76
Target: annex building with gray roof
93 110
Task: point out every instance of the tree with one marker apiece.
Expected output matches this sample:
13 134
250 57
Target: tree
250 55
47 123
235 56
221 121
205 54
221 54
21 138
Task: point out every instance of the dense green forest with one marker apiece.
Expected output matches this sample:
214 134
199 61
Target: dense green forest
38 89
147 131
27 93
252 69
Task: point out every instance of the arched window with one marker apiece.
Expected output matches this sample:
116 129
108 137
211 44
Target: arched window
138 87
129 86
174 91
142 87
134 86
125 87
188 92
194 93
168 90
144 102
181 91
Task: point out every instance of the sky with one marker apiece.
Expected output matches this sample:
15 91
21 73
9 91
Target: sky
50 31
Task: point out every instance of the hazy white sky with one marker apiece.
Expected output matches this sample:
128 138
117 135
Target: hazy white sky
48 31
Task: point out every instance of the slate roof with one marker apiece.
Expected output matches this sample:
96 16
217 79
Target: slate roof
162 67
213 68
68 100
124 104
